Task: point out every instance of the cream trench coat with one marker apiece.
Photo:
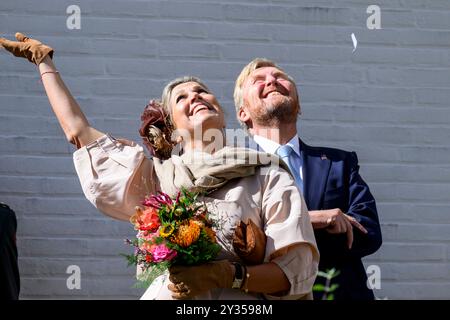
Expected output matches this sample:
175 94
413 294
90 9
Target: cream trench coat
115 175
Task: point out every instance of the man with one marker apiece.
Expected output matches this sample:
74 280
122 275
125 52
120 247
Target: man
9 271
342 209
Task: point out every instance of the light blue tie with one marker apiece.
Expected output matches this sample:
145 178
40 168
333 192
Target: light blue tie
293 161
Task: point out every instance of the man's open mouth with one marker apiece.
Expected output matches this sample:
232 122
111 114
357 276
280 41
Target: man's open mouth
272 93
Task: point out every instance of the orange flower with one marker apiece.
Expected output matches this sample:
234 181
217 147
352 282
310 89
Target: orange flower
187 233
134 218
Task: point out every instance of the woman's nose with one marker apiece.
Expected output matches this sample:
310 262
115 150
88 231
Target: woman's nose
193 96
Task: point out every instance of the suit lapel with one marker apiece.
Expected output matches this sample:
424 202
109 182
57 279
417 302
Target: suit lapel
315 169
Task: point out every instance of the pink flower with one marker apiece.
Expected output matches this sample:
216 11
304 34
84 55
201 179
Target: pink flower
157 201
149 239
147 235
146 246
161 253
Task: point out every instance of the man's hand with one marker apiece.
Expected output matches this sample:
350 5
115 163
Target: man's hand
188 282
335 221
28 48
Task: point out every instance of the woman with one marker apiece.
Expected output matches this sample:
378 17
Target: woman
115 176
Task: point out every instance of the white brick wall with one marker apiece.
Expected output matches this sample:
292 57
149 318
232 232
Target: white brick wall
388 101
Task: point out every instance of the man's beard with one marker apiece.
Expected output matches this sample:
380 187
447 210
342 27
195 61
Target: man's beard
275 113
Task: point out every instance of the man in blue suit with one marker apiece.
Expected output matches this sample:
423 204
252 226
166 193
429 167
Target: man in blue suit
342 209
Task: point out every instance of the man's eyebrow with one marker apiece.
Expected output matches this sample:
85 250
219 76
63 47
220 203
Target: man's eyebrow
256 75
275 73
280 73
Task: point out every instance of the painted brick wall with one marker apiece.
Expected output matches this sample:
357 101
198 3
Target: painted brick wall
388 101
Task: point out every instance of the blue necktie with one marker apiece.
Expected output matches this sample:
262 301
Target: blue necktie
293 161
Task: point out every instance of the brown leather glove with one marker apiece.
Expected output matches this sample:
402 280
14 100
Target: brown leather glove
28 48
249 242
188 282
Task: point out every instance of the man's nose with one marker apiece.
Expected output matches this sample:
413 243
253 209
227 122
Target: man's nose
271 81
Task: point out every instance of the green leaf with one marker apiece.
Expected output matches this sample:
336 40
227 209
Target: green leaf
334 273
131 259
330 296
333 287
319 287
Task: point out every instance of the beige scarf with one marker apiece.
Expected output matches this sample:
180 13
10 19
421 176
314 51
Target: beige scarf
202 172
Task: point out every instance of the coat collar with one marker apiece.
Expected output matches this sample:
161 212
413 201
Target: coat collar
316 166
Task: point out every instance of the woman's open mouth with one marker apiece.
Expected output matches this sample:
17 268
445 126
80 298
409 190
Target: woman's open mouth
199 107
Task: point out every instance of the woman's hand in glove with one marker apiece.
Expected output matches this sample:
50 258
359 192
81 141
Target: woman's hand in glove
28 48
188 282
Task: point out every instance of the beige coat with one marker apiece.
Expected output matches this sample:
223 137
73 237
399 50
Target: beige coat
115 176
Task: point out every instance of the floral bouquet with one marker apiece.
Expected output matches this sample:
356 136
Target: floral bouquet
171 232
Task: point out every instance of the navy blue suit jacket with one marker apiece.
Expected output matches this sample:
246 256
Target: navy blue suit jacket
331 180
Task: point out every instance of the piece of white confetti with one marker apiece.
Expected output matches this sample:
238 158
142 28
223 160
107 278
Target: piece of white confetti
355 42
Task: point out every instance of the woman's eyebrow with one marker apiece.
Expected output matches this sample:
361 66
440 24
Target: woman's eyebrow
198 87
178 92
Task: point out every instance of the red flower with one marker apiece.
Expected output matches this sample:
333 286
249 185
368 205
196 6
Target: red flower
147 220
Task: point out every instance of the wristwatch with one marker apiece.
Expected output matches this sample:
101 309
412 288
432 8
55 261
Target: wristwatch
238 276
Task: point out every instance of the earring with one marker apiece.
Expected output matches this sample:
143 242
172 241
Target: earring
178 146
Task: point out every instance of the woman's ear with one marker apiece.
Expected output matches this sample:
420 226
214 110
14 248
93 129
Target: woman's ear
178 143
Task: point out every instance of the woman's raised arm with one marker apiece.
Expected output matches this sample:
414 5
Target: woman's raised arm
69 114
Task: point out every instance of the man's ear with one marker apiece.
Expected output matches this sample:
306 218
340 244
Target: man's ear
243 115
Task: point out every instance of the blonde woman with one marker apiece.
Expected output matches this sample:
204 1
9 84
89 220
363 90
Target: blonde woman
115 175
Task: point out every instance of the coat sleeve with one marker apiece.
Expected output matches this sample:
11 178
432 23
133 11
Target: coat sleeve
115 175
358 202
363 208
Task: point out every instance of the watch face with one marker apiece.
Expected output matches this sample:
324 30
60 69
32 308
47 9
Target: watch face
237 284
